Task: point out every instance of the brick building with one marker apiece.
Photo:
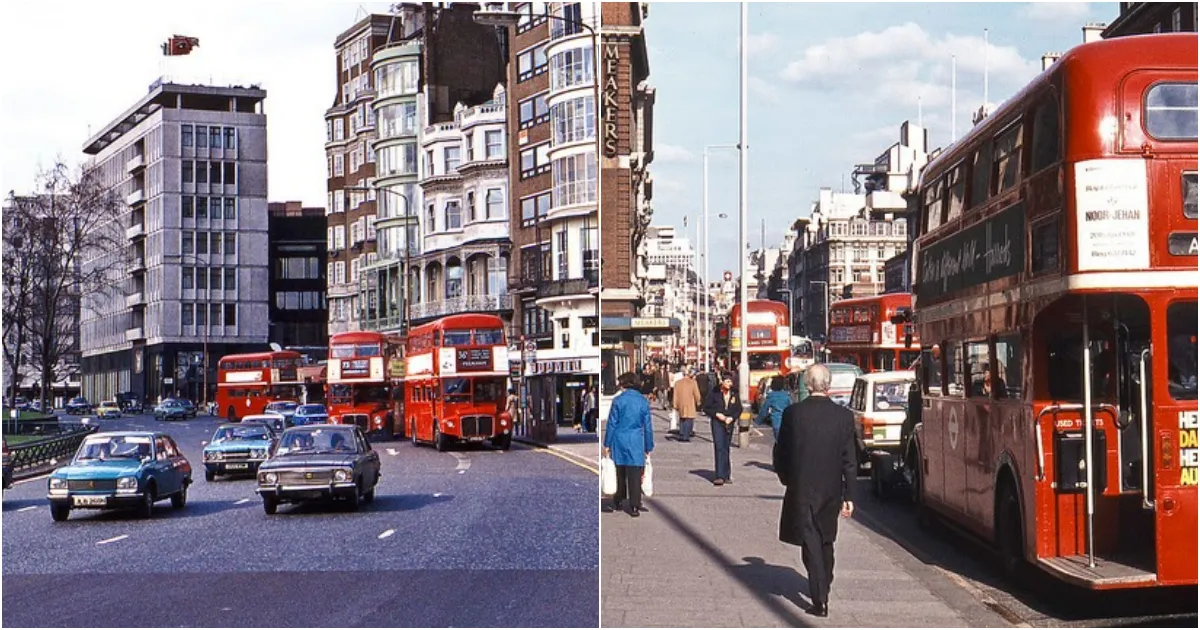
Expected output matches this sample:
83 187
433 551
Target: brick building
1141 18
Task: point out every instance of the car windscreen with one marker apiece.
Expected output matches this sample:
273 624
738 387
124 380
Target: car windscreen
234 434
101 448
323 440
311 410
283 406
842 379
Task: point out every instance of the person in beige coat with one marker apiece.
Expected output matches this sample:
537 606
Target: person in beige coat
687 400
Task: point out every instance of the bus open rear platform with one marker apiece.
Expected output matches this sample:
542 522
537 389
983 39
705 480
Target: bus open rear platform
1105 575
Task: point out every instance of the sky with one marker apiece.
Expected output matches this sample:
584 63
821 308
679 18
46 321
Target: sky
830 85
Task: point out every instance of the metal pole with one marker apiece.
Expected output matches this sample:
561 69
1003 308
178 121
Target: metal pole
1087 436
744 367
707 311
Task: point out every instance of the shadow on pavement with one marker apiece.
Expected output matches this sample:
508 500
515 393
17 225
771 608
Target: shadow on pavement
162 512
12 505
761 465
762 580
707 475
382 503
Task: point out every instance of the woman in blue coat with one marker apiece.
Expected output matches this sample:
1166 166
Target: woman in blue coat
628 439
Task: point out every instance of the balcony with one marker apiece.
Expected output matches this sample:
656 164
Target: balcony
133 334
571 287
480 114
135 299
135 231
886 201
135 163
462 304
138 264
136 197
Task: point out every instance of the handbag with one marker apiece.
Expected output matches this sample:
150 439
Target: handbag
648 479
674 421
608 476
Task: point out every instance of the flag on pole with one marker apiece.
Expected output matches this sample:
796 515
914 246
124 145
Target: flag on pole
179 45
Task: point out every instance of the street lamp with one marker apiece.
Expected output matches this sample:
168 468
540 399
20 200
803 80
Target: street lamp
409 219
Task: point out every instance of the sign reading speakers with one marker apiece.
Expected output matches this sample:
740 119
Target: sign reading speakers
1113 228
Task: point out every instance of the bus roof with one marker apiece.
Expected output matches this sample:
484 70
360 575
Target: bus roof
459 322
262 356
890 299
357 337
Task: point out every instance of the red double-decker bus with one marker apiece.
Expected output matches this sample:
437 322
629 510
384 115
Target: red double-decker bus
455 382
364 381
770 339
861 332
247 383
1055 281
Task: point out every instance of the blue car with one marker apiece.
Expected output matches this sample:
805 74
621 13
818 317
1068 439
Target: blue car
310 414
121 470
238 448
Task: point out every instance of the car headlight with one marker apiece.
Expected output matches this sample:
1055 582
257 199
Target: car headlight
57 483
341 475
270 478
217 455
258 453
127 483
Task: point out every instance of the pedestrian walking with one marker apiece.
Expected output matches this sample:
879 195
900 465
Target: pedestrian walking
512 406
775 402
588 410
628 439
816 459
686 398
662 386
723 407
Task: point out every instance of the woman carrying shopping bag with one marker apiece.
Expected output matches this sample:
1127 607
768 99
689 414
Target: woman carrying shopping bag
628 439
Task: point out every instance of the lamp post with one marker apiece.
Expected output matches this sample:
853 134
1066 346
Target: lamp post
789 311
409 219
704 189
743 193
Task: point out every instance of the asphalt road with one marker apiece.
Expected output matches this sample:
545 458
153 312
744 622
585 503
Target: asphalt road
474 537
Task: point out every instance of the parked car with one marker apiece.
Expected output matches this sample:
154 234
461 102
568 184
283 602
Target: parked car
310 414
7 466
320 461
118 470
285 408
78 406
238 448
109 409
170 408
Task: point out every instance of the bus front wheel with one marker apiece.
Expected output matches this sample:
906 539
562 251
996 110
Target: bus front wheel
231 414
440 441
502 442
412 433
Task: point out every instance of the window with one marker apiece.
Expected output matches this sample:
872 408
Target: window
188 208
1007 383
230 173
954 367
1170 111
230 135
214 137
188 173
454 280
453 157
214 275
561 255
571 68
187 315
339 129
201 172
201 315
956 191
185 135
430 219
215 314
1008 159
189 278
201 137
525 66
216 243
231 314
1046 137
534 161
933 206
589 240
1044 246
469 141
495 203
453 216
188 244
981 173
215 172
201 278
574 120
201 207
230 243
231 279
201 242
354 265
977 368
230 208
470 206
539 204
1176 21
1181 350
495 144
497 280
339 165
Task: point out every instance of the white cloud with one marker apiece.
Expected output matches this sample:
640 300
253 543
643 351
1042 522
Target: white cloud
1071 12
671 153
761 43
765 91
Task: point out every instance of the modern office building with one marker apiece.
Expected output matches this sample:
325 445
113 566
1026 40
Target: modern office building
297 284
190 161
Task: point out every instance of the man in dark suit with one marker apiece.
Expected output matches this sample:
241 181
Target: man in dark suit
816 458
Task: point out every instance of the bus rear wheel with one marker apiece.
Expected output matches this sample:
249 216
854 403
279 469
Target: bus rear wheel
412 433
1009 537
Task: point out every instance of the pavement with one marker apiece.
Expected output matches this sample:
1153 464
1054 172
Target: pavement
581 449
707 556
471 537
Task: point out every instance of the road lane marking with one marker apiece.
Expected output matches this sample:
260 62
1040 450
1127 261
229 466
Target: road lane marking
568 459
437 495
391 451
464 462
113 539
241 501
26 509
39 477
386 534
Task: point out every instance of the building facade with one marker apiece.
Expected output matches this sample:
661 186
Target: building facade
1141 18
298 306
191 163
671 288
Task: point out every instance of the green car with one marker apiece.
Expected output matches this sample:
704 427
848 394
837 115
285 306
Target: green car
121 470
841 383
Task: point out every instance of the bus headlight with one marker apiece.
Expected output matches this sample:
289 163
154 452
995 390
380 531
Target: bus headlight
379 421
341 474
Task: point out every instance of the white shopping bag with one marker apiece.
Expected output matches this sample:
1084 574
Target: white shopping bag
648 479
608 476
674 421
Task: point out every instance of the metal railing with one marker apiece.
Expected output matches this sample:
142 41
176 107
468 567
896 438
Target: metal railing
462 304
32 458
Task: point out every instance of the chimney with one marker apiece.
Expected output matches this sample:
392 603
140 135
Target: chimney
1091 32
1048 59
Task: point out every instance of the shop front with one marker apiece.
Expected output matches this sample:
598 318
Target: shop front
554 390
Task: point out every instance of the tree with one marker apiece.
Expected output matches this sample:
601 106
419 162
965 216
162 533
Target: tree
17 280
73 248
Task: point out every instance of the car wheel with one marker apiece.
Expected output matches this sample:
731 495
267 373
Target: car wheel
179 499
209 475
146 508
352 501
503 442
270 505
369 496
59 512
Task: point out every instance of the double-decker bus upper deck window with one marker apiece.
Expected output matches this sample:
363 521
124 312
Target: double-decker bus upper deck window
456 338
1008 366
489 337
1169 112
1047 142
342 351
933 206
1007 151
1189 195
367 350
1043 246
956 191
1181 350
981 174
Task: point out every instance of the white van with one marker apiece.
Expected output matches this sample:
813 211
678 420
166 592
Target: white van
880 404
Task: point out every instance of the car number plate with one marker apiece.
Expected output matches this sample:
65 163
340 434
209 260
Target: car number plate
475 439
237 466
90 500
